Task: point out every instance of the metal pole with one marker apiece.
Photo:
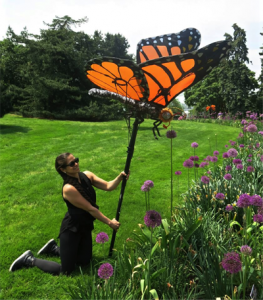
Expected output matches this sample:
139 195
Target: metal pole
126 170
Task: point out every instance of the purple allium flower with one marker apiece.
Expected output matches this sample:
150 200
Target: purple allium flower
237 161
228 168
229 207
145 188
216 152
208 158
243 122
196 158
232 152
226 146
220 196
256 200
257 145
249 160
241 145
152 219
258 218
233 143
250 169
252 128
244 200
209 172
225 155
194 145
260 132
228 177
214 159
196 165
240 135
149 183
239 166
205 179
192 158
105 271
231 262
178 173
102 238
203 164
246 250
188 163
250 155
171 134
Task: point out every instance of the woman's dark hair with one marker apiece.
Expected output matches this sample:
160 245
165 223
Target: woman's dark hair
61 162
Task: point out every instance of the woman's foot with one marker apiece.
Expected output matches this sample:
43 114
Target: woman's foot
50 248
23 261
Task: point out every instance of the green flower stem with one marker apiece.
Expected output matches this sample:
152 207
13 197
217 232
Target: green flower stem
171 181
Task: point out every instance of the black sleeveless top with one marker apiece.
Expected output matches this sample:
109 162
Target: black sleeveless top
77 219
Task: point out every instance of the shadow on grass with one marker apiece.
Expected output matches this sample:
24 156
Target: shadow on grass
5 129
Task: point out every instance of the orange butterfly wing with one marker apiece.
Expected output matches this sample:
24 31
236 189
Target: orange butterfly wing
168 44
119 76
167 77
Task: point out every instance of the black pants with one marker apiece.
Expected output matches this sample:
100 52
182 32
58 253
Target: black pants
75 249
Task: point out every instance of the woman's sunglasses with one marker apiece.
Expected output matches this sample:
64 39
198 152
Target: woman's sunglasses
72 163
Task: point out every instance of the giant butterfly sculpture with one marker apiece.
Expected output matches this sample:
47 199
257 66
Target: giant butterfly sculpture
166 66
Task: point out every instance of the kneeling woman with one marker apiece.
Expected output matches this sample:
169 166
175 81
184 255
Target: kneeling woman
77 225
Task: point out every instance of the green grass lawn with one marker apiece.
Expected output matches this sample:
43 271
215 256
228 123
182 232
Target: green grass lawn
31 205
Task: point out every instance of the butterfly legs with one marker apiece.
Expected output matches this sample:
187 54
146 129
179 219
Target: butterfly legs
155 128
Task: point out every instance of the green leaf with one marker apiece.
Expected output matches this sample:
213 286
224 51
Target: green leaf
154 294
234 223
158 272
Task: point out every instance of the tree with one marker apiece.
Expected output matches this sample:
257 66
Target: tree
53 71
231 86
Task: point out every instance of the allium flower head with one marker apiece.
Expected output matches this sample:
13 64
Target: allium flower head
237 161
232 152
196 165
205 179
240 135
246 250
260 132
256 200
252 128
243 122
152 219
216 152
171 134
239 166
105 271
225 155
149 183
229 207
258 218
244 200
145 188
178 173
214 159
228 176
203 164
232 263
188 163
220 196
228 168
102 238
241 145
250 169
194 145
